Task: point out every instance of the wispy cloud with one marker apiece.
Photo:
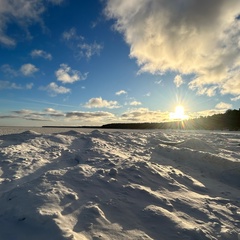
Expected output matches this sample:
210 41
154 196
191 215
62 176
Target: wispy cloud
80 47
173 29
148 94
67 75
26 114
101 103
88 50
23 14
53 89
13 85
121 92
8 70
40 53
178 81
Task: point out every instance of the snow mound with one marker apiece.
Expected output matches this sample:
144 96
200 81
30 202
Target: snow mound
196 144
116 185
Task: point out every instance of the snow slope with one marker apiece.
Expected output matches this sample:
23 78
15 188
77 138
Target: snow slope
92 184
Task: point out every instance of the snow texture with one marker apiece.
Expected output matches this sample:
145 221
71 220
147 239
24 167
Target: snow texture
92 184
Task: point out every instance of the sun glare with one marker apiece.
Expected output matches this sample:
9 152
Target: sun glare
178 114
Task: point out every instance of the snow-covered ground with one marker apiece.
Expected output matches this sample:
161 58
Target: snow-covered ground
108 184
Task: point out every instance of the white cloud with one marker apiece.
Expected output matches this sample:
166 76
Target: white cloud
178 81
66 75
41 53
145 115
223 105
28 69
135 103
23 13
101 103
53 89
190 37
235 98
121 92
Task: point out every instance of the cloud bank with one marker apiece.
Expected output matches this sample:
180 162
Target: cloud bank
189 37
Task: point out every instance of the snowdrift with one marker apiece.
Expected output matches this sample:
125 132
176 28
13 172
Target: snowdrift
119 185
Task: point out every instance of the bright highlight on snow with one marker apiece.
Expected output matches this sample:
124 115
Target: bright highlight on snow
85 184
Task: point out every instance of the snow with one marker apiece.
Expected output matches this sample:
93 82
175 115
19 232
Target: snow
108 184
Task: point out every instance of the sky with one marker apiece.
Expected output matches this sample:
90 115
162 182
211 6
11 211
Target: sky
68 62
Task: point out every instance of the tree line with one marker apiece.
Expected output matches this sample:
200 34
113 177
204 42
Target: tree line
230 120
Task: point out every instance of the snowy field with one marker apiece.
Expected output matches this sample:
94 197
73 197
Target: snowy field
83 184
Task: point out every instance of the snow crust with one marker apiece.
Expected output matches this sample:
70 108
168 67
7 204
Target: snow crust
93 184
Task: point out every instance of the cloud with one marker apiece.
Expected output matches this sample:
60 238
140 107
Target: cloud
27 114
235 98
101 103
29 86
121 92
189 37
8 70
13 85
23 14
135 103
223 106
40 53
145 115
53 89
90 116
209 91
66 75
71 34
78 44
158 82
28 69
178 81
89 50
22 111
147 94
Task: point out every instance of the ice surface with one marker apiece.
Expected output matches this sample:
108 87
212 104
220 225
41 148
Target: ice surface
94 184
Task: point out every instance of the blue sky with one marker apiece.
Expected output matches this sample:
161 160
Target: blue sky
66 62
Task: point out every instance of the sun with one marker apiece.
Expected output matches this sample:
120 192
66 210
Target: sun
178 114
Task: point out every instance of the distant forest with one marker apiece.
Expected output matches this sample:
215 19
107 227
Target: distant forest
230 120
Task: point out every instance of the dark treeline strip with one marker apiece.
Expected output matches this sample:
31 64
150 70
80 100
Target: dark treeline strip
230 120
